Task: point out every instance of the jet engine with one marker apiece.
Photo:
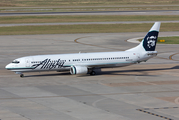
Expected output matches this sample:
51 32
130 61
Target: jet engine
78 70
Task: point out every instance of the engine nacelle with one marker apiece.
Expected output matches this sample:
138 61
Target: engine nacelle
78 70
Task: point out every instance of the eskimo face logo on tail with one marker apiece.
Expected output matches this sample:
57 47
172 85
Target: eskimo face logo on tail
150 41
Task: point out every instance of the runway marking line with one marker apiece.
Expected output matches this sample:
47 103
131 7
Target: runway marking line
144 110
170 57
76 40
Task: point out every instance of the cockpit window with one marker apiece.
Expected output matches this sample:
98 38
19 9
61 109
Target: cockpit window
15 61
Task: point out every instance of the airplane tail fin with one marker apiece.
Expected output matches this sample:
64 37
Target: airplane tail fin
150 40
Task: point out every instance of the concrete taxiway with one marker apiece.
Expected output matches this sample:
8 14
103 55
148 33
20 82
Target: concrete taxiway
140 92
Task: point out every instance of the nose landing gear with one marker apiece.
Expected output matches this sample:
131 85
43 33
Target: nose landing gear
21 74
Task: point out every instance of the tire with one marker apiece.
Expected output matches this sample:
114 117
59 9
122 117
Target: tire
21 75
93 73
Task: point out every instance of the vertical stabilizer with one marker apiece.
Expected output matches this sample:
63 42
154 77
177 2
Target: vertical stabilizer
150 40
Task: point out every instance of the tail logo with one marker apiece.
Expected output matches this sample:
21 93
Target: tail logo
151 41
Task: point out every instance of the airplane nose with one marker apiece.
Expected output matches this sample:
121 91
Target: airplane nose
7 66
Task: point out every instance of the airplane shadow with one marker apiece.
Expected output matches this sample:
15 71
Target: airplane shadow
143 72
54 74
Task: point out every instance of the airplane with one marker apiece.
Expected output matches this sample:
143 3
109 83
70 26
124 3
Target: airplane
88 63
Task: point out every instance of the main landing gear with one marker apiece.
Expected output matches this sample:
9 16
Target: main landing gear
93 73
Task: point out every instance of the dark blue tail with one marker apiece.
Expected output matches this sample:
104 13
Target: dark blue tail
150 40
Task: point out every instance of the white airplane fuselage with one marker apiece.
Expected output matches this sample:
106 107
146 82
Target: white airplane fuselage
83 63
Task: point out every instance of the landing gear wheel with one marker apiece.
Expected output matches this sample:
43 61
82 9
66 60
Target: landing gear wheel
21 75
93 73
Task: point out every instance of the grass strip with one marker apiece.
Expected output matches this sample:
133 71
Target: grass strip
22 3
85 18
88 8
97 28
168 40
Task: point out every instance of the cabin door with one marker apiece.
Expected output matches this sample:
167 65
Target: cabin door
27 62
